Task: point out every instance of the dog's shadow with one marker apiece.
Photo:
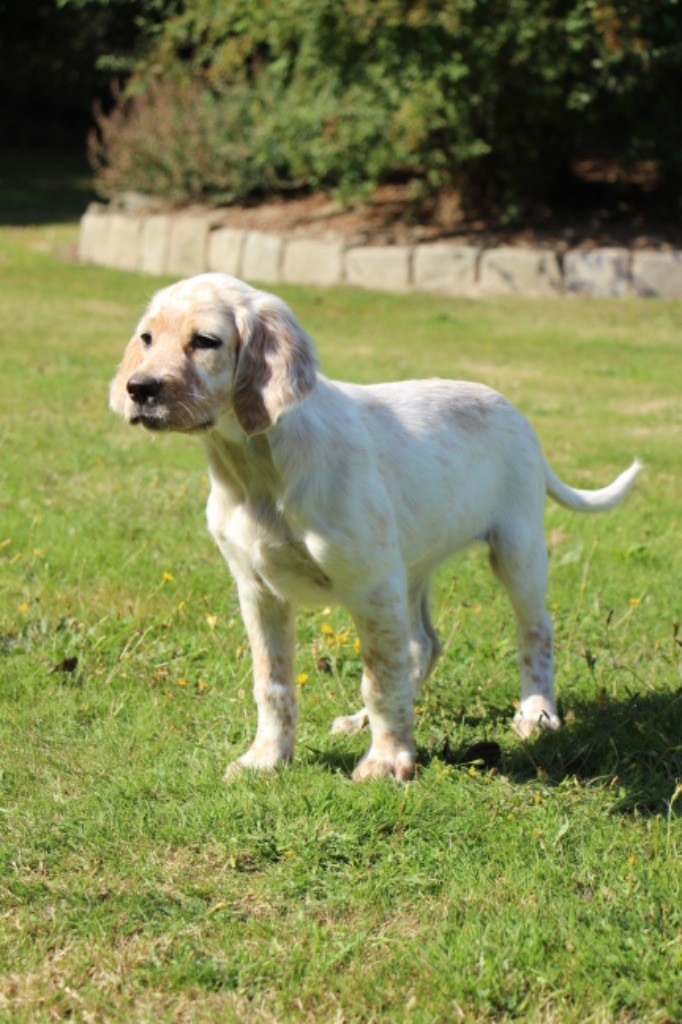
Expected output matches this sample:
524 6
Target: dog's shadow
631 745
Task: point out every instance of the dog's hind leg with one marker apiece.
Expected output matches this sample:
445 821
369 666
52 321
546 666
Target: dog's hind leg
519 560
424 647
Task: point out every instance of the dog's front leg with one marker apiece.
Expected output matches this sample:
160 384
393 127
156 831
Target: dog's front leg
386 689
270 627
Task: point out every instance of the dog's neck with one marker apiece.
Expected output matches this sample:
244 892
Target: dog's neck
279 466
242 466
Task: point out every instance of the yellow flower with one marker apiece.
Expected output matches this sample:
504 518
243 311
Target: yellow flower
181 606
327 629
182 681
167 577
212 620
342 637
302 678
23 608
357 646
634 601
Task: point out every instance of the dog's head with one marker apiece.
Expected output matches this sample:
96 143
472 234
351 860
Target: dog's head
212 346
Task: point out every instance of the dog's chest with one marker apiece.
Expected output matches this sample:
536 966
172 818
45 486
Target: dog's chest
259 543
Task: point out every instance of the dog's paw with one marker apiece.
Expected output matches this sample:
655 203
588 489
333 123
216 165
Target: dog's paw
398 764
348 725
259 758
526 724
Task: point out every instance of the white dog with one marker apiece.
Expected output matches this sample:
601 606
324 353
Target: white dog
329 492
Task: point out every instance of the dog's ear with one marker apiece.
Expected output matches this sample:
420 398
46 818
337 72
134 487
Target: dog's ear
276 364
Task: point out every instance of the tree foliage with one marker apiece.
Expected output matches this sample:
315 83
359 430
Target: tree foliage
493 96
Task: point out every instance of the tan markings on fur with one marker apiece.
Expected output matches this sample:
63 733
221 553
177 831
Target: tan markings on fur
132 359
249 400
472 414
275 367
269 666
184 402
270 627
535 661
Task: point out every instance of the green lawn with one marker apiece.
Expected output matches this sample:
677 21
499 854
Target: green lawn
136 886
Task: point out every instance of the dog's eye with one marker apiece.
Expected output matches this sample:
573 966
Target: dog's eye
146 338
203 341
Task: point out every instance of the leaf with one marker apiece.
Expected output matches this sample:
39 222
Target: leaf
561 831
67 665
486 753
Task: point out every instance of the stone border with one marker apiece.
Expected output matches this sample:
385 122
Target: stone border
185 244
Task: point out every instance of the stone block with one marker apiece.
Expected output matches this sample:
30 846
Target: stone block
385 268
514 271
154 244
226 250
307 261
93 234
122 249
188 246
658 273
446 268
262 259
600 272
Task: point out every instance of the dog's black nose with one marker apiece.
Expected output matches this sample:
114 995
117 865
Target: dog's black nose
143 387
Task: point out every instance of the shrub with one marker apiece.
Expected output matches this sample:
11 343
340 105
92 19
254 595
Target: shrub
184 142
494 96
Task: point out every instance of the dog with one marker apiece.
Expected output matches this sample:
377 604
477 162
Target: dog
328 492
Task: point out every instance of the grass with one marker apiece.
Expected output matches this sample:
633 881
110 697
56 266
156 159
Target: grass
135 886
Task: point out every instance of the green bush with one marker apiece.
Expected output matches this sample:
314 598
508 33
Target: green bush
492 96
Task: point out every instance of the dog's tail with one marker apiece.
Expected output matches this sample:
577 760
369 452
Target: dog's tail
591 501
